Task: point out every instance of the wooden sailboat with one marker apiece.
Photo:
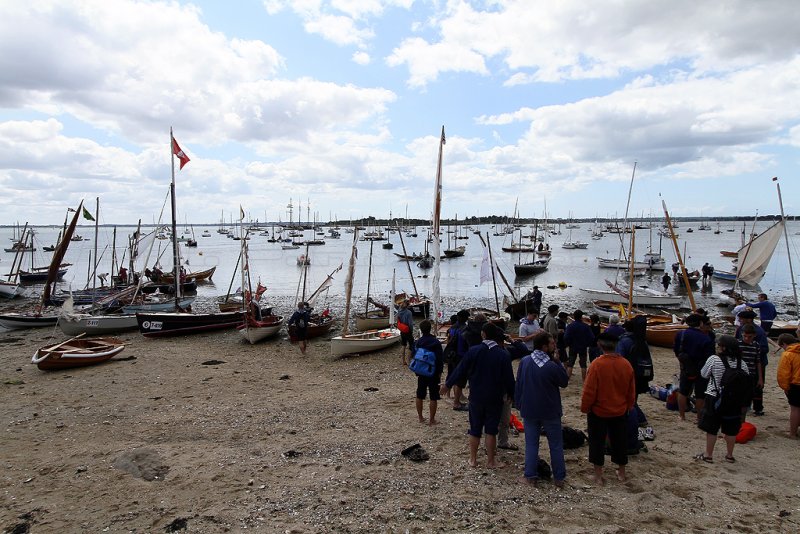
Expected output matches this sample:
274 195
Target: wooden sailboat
319 323
373 340
13 320
535 266
379 316
754 257
257 324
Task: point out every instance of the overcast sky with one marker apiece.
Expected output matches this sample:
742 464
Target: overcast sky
341 103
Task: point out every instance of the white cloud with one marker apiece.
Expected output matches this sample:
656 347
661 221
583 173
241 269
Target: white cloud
361 58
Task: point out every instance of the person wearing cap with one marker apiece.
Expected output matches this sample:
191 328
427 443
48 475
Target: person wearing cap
614 328
766 311
692 348
748 317
487 367
712 419
609 393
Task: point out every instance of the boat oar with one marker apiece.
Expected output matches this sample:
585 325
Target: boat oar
56 347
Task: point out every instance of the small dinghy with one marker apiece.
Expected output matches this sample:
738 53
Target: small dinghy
77 352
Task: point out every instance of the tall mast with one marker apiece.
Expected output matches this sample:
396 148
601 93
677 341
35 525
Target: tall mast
684 274
786 237
437 214
176 256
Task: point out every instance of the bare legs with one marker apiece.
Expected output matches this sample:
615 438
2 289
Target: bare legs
431 410
794 421
491 450
683 402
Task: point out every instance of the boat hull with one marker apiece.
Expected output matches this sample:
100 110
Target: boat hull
639 299
77 353
371 322
365 342
314 329
255 331
18 321
10 291
178 324
79 323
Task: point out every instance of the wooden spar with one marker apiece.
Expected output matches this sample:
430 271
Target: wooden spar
305 273
502 276
176 255
408 264
96 228
369 278
58 256
678 255
786 237
630 275
494 280
324 284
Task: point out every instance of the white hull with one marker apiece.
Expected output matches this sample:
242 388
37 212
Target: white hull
371 323
366 342
80 323
639 299
254 334
622 264
10 291
13 321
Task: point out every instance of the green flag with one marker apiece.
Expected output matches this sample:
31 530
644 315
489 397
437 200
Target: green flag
87 215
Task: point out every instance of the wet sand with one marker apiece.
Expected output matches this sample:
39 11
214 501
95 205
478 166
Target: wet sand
268 439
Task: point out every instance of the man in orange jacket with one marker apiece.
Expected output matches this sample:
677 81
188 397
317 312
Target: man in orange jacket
609 392
789 378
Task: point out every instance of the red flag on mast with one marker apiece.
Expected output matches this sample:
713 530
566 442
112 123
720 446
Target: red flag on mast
184 159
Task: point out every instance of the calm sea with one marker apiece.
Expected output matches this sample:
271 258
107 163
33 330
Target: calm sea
279 271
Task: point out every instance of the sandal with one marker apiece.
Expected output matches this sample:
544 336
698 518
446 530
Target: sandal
730 459
707 459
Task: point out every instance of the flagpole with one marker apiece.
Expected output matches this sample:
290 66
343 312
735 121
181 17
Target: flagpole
176 258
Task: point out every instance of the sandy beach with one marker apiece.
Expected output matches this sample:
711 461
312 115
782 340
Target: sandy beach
209 434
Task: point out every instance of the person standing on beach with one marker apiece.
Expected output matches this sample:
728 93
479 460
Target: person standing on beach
614 328
529 327
715 418
470 336
751 355
578 337
537 394
692 348
561 322
550 323
487 366
665 280
789 378
300 319
453 356
747 317
766 311
429 384
609 393
405 323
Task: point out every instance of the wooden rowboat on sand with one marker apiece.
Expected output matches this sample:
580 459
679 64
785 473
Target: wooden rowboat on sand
77 352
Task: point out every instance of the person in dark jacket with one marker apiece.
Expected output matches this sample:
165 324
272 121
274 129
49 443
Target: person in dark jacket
469 336
537 395
692 348
429 384
487 367
300 319
578 337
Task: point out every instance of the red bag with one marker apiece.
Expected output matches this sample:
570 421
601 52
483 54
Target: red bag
403 327
516 423
746 433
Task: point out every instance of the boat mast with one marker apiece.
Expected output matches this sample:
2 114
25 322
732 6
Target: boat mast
494 280
684 274
408 264
631 273
369 278
96 226
437 214
786 237
176 256
348 283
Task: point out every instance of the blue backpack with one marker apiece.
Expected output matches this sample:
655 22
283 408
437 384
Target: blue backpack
423 363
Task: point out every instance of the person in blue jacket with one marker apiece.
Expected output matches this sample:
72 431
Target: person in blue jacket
487 367
429 384
766 311
578 337
537 394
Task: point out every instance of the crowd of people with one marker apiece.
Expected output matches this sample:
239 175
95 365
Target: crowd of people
721 376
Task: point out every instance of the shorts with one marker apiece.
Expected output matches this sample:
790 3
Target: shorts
407 339
429 385
577 354
300 333
451 367
711 421
484 418
793 395
687 384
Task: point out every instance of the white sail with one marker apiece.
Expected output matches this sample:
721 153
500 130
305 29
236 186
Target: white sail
435 230
755 255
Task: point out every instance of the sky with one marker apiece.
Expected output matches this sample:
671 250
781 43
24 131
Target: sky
338 106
